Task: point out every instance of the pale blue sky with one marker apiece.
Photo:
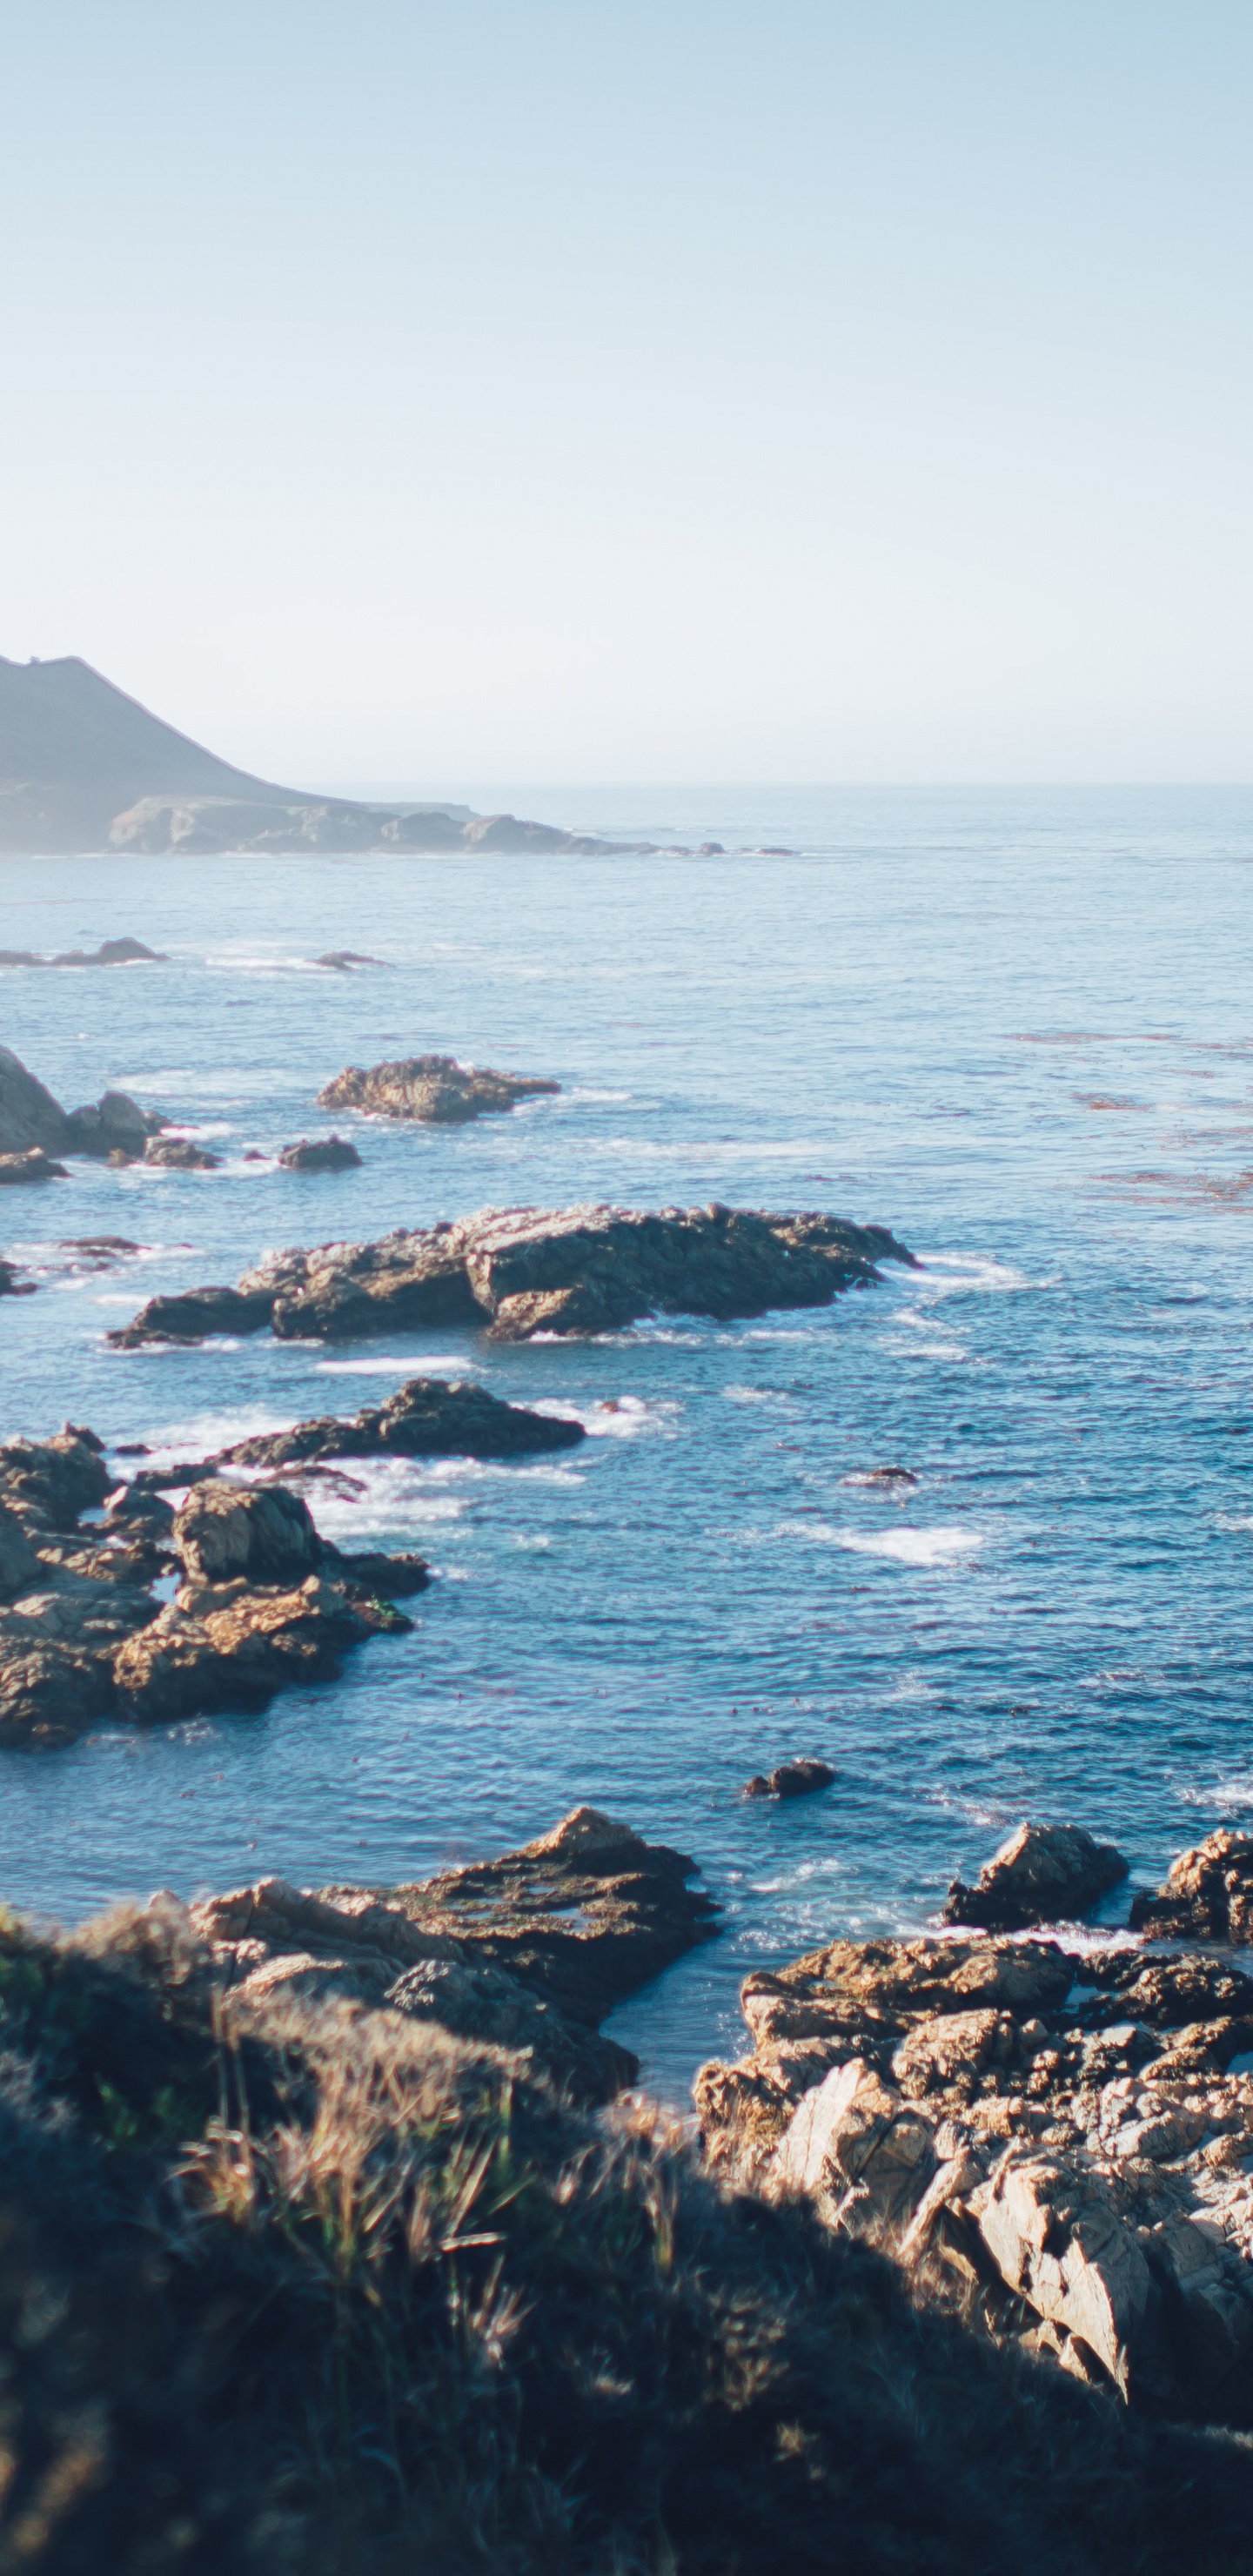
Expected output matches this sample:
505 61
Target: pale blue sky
541 388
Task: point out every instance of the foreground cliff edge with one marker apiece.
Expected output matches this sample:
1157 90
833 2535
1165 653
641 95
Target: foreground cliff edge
317 2257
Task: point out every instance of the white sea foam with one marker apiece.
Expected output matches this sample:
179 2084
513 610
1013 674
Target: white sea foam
943 1545
386 1364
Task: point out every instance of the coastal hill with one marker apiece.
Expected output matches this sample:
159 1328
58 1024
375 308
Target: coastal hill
84 767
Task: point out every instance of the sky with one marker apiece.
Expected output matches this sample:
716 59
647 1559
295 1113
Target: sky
406 395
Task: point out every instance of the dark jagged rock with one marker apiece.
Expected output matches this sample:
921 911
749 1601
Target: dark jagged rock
790 1779
193 1314
432 1089
17 1170
319 1154
264 1600
114 1124
1208 1895
179 1154
1043 1874
527 1271
28 1113
427 1417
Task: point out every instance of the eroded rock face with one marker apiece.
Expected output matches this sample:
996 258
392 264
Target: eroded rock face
526 1271
1043 1874
1073 2134
434 1090
28 1113
319 1154
266 1536
264 1600
193 1314
527 1952
1208 1895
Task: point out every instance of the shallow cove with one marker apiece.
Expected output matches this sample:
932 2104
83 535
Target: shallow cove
975 1017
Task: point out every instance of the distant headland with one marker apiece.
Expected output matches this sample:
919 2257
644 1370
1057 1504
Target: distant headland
85 768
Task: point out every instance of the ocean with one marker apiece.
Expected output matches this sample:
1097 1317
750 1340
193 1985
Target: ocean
1014 1025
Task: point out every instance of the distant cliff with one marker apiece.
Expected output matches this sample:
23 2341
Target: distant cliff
85 768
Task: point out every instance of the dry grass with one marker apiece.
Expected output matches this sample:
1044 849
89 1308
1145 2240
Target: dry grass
381 2305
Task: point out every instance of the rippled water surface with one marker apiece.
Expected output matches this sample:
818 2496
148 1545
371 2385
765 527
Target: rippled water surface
1018 1028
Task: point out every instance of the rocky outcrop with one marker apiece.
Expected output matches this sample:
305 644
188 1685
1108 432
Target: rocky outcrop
428 1417
111 952
28 1113
1068 2140
526 1271
16 1170
1208 1895
195 1314
319 1154
528 1952
113 1125
434 1090
263 1599
795 1779
29 1117
278 824
1043 1874
343 959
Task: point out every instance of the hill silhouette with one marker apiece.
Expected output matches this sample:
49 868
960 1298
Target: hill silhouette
84 767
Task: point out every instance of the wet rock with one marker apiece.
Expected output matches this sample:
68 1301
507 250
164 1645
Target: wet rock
19 1565
262 1534
319 1154
179 1154
343 958
367 1570
1208 1895
427 1417
433 1089
193 1314
581 1269
1043 1874
790 1779
34 1165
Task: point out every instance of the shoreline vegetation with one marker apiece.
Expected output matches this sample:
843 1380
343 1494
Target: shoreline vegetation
331 2239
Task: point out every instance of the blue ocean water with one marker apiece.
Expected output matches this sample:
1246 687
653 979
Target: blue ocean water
1016 1026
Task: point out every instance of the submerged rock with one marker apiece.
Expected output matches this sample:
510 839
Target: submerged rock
179 1154
1208 1893
426 1418
319 1154
526 1271
433 1089
112 952
341 959
1043 1874
1069 2140
790 1779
